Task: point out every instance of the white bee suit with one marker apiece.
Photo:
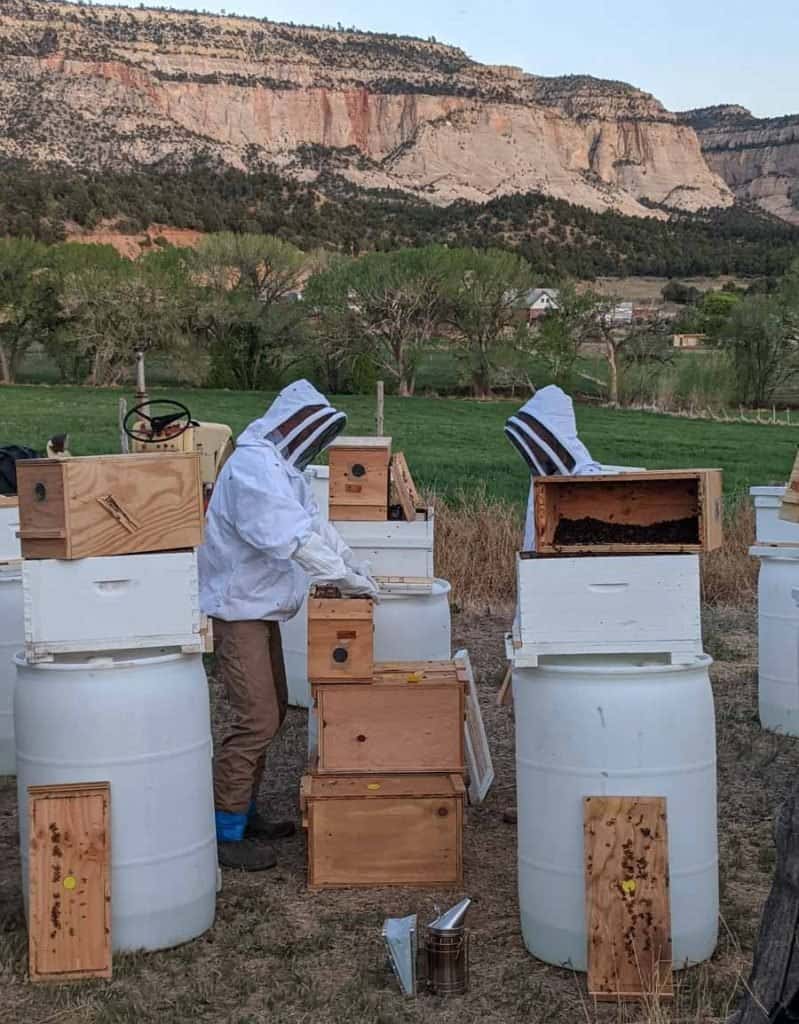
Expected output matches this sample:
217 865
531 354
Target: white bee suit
264 535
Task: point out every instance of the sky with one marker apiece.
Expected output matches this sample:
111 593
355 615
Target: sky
688 53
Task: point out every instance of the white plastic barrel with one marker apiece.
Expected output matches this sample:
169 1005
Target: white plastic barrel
9 526
778 638
613 726
12 640
408 627
142 723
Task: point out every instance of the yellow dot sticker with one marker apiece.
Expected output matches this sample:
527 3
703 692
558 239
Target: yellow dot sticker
415 677
70 882
628 886
373 785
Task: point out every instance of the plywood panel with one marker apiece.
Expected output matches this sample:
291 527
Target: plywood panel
478 752
69 882
627 897
403 489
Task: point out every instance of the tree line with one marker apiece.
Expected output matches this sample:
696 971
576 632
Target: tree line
245 311
558 238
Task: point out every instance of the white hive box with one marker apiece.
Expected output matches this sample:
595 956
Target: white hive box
9 525
119 602
645 604
769 528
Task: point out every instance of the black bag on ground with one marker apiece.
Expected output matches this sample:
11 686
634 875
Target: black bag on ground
9 455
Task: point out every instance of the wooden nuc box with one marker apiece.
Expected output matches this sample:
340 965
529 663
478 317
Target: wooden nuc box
660 512
359 478
109 505
340 640
410 719
368 830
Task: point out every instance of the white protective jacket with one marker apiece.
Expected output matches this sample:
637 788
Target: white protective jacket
544 432
264 537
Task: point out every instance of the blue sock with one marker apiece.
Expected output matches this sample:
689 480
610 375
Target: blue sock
230 827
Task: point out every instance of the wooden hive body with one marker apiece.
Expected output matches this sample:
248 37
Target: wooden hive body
409 719
109 505
370 830
359 478
659 512
340 640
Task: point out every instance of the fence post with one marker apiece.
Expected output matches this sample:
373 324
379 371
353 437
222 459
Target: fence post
379 415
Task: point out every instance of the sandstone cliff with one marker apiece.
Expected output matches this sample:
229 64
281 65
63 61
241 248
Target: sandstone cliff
108 86
758 158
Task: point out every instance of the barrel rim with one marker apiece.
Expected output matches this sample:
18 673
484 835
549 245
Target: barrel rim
439 588
777 552
699 661
97 662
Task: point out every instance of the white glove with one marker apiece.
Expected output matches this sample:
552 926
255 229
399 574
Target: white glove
355 584
334 540
364 569
322 563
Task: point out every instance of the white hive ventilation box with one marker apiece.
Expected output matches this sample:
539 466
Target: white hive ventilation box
647 604
769 528
394 549
118 602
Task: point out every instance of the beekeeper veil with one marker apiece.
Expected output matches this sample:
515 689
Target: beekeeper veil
544 432
300 423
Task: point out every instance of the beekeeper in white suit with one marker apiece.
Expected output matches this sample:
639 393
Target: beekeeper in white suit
264 543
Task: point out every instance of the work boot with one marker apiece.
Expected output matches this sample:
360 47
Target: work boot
246 855
258 827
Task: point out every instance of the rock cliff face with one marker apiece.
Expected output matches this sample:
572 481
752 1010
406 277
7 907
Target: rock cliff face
758 158
107 86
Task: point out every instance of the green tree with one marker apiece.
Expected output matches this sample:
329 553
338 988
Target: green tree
247 310
761 346
559 336
486 302
389 302
28 304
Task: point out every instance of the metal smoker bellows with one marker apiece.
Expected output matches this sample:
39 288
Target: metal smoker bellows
447 946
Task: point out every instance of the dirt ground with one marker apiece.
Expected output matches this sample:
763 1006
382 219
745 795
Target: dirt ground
278 953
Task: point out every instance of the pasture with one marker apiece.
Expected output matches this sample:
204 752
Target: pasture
452 445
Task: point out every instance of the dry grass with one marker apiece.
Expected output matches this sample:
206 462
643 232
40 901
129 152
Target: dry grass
477 538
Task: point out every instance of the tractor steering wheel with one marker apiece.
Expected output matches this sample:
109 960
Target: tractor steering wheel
179 417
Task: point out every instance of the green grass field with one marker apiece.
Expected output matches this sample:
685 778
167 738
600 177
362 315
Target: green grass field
451 444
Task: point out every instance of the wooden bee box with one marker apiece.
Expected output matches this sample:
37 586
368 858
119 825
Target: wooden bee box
359 478
410 719
340 640
669 511
376 830
109 505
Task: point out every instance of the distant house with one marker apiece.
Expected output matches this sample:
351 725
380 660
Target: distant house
688 340
540 302
621 315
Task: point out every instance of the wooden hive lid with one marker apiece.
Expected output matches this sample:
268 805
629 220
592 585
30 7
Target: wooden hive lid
340 608
360 442
635 476
356 787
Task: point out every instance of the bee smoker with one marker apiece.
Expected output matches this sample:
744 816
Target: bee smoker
447 948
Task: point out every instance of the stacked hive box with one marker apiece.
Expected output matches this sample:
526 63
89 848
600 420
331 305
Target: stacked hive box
111 687
11 625
384 801
612 693
414 606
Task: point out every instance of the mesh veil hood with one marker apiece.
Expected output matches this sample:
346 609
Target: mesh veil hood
300 423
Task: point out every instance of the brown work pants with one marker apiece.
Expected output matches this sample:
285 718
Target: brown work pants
249 662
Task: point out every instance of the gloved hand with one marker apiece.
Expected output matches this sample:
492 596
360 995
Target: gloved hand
364 569
354 584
